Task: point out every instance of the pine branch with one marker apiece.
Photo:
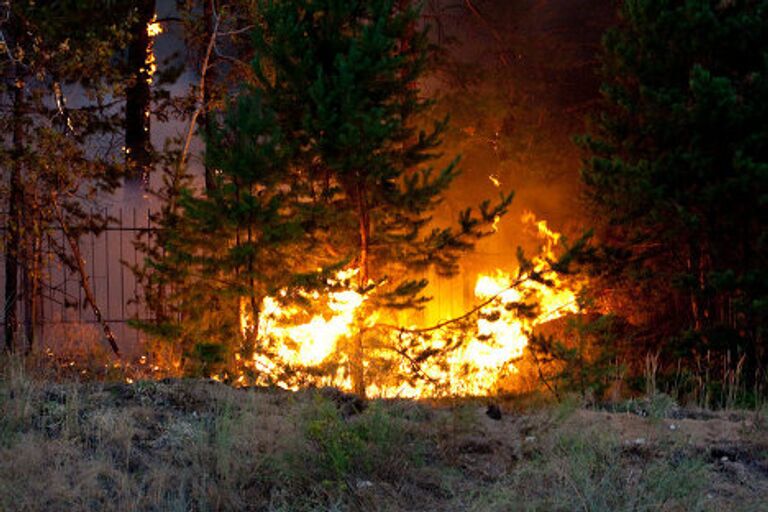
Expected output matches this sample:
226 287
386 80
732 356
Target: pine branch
520 280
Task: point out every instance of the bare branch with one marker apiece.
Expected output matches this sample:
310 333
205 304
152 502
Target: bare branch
446 323
495 33
200 99
235 32
82 272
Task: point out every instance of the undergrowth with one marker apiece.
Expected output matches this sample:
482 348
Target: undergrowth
195 445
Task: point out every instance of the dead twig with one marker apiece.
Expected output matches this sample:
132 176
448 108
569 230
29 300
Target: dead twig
495 33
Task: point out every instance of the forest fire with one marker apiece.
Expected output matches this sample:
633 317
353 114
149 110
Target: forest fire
512 305
290 255
310 343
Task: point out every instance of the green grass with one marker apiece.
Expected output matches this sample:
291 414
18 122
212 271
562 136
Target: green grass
592 471
194 445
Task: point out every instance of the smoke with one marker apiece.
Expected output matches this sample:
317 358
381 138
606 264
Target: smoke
518 81
517 78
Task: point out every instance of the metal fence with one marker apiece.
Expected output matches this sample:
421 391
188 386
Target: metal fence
62 315
64 318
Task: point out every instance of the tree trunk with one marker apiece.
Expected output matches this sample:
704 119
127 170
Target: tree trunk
253 301
36 278
694 265
31 268
28 293
358 355
208 75
15 200
138 146
199 109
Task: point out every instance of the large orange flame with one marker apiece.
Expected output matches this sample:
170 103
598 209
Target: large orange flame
475 368
311 342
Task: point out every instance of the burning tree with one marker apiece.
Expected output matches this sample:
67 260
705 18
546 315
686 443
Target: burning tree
322 162
343 79
225 251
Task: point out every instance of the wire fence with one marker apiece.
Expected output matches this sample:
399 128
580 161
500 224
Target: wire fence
61 314
62 317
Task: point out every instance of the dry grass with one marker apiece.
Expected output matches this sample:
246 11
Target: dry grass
197 445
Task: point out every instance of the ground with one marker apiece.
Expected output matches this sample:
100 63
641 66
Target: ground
200 445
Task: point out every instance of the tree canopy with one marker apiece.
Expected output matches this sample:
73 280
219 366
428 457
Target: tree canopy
676 169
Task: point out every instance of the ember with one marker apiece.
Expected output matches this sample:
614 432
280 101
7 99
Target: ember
154 29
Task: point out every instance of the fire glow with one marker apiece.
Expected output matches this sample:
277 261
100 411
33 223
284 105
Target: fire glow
154 29
314 341
475 368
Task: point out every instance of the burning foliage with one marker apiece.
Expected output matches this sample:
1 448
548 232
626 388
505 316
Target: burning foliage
475 355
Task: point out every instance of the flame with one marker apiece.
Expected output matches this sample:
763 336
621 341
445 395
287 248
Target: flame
308 343
496 183
315 340
476 368
495 225
501 337
154 29
551 238
502 332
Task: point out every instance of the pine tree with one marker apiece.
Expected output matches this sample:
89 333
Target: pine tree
222 252
342 79
677 165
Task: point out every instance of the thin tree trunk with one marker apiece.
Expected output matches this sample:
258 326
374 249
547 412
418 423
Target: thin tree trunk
253 301
208 74
693 294
365 231
200 106
699 264
15 200
36 277
28 294
31 270
358 356
85 284
138 146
